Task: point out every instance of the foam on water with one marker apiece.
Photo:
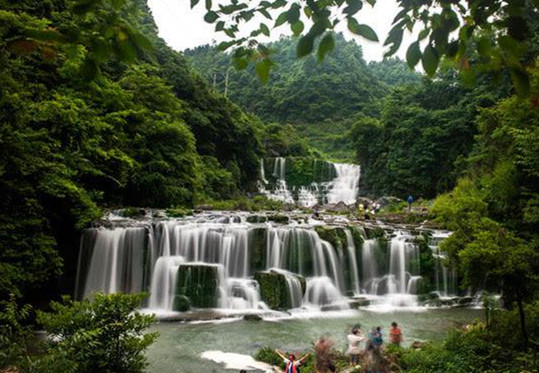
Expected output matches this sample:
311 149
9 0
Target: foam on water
236 361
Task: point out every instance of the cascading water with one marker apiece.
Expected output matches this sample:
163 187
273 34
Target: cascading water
213 259
370 266
339 183
345 187
446 278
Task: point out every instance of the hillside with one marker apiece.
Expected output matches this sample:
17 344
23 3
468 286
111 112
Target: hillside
318 99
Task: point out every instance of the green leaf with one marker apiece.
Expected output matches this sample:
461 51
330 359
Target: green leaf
297 28
263 69
281 19
292 16
394 39
241 63
194 3
211 17
353 7
430 60
521 82
220 26
264 29
361 30
423 34
413 54
305 45
327 44
208 4
265 13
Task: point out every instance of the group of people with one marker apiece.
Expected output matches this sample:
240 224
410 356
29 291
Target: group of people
364 211
370 355
362 355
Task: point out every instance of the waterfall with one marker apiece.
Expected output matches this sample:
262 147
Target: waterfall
168 258
370 266
401 253
262 172
351 247
331 182
163 281
345 187
446 278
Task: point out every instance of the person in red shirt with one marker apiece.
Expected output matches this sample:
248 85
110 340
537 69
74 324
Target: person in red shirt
395 334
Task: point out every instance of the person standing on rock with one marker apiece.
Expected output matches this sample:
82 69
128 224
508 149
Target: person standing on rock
291 364
354 341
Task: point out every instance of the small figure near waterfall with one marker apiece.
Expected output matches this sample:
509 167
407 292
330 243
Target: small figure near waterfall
291 364
395 334
410 201
354 341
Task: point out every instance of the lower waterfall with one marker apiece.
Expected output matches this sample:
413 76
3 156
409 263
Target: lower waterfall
220 260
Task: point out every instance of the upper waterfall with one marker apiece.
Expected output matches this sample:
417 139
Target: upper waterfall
307 182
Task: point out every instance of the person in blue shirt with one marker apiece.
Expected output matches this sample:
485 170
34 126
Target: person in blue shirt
410 200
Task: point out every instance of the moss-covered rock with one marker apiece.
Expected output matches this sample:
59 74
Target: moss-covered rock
274 289
336 236
257 249
181 303
199 283
279 218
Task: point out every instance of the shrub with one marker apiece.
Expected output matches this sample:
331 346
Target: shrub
106 334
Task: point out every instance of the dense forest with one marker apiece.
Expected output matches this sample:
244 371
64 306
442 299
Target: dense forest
97 112
317 100
74 139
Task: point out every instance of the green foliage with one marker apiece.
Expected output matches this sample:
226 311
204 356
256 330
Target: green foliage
413 148
268 355
14 334
308 104
496 348
502 34
80 128
106 334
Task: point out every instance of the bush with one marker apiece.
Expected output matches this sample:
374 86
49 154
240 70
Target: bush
14 336
106 334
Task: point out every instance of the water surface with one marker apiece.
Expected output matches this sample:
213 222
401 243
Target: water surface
180 345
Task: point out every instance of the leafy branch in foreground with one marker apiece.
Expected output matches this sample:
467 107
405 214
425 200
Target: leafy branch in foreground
500 33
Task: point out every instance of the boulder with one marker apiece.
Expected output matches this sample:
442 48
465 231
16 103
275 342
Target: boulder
388 200
251 317
274 289
199 283
181 303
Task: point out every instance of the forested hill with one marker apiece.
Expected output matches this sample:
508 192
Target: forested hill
86 121
303 90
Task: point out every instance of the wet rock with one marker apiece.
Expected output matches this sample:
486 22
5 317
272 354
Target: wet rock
274 289
360 302
416 345
388 200
252 317
277 218
199 283
181 303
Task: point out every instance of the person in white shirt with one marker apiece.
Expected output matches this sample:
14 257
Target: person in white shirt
354 341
